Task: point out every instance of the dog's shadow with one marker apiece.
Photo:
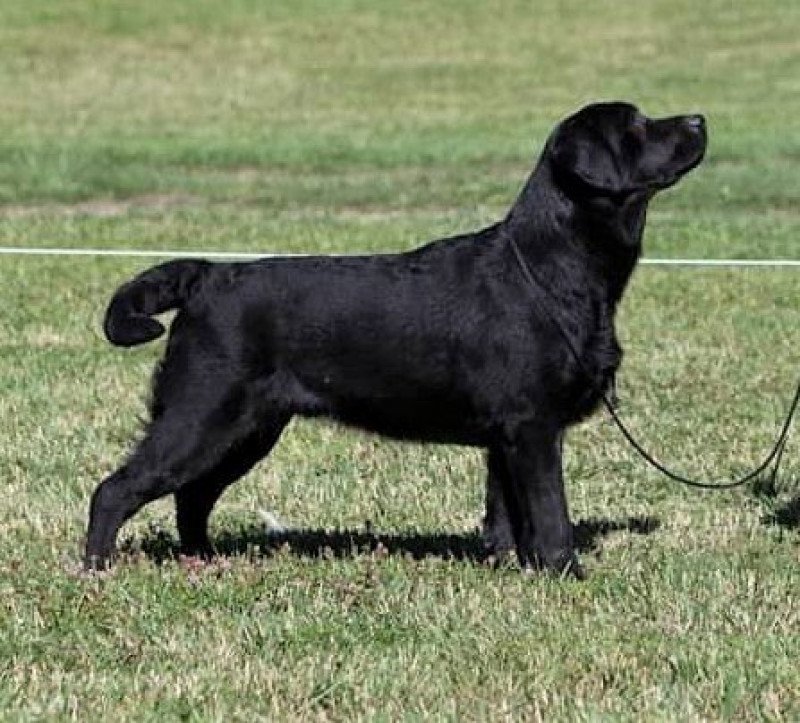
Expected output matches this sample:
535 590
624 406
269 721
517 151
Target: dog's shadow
785 513
160 545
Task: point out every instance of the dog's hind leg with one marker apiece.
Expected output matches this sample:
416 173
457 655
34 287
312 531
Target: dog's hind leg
185 443
195 500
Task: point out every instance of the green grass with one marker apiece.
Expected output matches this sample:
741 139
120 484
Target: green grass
355 126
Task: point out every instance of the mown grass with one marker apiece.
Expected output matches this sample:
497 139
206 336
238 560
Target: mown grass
366 126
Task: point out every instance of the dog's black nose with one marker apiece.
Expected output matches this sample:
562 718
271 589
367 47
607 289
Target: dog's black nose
697 122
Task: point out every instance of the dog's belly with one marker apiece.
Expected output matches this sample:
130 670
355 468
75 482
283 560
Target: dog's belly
419 423
423 418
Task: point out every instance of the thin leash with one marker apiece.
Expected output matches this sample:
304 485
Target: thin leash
775 454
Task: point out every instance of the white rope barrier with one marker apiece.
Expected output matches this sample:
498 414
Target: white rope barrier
245 255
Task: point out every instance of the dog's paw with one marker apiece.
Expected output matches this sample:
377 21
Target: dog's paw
95 566
202 550
573 569
497 539
563 565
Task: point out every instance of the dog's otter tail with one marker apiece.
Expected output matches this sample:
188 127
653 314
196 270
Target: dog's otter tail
167 286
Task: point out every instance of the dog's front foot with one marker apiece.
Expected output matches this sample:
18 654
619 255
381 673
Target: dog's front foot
94 563
562 563
498 540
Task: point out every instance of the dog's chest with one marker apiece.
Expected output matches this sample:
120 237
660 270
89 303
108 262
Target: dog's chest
590 363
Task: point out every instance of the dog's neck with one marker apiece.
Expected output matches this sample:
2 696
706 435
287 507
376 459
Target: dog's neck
607 239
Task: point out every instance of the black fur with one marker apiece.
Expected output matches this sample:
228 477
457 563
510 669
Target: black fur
446 343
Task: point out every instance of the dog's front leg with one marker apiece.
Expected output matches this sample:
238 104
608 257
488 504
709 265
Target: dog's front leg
537 501
498 535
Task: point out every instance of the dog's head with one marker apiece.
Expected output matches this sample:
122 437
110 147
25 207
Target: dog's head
610 153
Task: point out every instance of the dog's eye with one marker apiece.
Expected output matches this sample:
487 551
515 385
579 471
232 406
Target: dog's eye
636 133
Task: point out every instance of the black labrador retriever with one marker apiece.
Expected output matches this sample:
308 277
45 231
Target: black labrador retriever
453 342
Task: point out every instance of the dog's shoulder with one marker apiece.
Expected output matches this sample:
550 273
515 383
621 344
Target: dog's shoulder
469 243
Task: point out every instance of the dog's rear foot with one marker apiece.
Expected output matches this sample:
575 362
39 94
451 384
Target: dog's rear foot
203 550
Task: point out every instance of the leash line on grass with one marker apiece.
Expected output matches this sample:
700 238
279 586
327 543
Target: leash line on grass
247 255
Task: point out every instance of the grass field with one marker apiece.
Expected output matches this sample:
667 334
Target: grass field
352 126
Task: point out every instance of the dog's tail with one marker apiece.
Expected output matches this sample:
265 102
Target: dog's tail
167 286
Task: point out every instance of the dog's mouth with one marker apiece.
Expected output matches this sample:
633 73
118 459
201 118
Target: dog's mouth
696 140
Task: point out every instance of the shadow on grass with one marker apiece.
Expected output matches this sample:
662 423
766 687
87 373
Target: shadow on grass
787 515
160 545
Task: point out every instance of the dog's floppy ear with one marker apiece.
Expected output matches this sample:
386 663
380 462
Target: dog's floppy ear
585 159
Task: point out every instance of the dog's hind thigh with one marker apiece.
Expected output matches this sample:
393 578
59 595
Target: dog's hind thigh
182 445
195 500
